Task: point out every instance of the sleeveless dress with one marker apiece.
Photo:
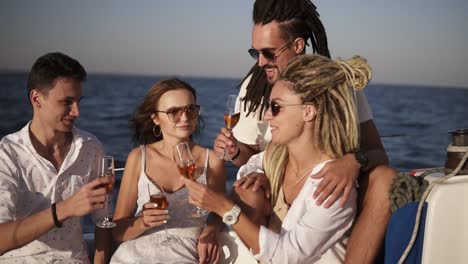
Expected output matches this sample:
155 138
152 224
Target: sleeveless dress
147 248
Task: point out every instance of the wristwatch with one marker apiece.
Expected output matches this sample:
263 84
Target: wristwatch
232 216
362 158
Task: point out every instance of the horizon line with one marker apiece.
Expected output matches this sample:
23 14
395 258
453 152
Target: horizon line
15 71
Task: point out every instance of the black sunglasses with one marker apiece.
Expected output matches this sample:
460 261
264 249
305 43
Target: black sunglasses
268 54
275 107
174 114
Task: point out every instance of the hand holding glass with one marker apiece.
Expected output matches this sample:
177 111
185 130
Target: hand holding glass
106 169
231 115
158 196
186 165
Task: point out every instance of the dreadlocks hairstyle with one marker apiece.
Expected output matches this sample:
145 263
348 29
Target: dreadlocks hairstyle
327 85
297 19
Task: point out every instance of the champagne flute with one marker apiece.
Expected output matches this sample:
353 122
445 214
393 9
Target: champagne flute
106 169
231 115
158 196
186 165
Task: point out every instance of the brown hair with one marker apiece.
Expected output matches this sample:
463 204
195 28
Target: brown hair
141 122
51 66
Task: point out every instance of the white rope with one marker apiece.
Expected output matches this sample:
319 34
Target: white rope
452 148
421 203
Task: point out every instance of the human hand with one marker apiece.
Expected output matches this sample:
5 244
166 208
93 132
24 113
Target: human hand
208 246
202 196
225 141
90 197
152 217
254 181
339 177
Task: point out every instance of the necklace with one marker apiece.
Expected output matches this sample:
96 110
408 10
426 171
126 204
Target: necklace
302 177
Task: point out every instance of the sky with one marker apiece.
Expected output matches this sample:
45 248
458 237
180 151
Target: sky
416 42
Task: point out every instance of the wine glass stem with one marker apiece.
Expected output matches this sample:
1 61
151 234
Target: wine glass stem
167 233
106 217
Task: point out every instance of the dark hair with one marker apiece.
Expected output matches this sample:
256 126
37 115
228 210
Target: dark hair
141 123
297 19
51 66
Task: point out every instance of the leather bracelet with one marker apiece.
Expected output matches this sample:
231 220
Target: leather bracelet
54 216
237 155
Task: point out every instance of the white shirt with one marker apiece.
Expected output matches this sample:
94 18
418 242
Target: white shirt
252 130
29 183
309 233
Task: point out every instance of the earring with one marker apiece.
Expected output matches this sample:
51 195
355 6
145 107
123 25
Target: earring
154 131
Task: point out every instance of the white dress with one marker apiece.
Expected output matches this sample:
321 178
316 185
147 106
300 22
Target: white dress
146 248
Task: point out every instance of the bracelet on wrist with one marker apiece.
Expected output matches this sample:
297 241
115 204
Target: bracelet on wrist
54 216
237 154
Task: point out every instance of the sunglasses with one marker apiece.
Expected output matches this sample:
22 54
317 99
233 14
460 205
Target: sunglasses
276 108
192 111
268 54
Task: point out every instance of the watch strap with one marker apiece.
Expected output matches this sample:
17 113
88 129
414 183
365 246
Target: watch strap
362 159
232 216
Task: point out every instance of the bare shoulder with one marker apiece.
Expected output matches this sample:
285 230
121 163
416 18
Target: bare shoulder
132 166
134 155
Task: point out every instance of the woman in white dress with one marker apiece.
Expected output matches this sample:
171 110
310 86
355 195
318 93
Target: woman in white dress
167 116
313 120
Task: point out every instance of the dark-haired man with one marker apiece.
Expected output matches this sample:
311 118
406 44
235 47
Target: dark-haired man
281 30
48 173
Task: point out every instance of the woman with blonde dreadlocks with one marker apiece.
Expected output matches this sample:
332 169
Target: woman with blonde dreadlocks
312 114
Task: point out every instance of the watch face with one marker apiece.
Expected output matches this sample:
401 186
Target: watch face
231 216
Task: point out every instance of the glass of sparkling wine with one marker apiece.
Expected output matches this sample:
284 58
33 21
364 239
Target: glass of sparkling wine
231 115
158 196
106 169
186 165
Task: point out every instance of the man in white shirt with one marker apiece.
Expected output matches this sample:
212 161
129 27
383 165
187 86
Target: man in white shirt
281 30
48 173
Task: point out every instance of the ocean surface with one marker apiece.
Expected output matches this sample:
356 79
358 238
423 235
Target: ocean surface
412 121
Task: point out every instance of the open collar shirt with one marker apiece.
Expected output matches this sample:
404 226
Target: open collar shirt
309 233
30 183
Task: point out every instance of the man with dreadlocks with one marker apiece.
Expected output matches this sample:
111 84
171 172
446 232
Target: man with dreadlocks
281 30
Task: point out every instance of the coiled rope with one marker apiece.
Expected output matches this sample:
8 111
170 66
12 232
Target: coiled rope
423 199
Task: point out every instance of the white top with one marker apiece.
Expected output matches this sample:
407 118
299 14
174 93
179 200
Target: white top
147 248
309 233
29 183
252 130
